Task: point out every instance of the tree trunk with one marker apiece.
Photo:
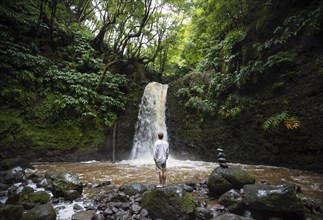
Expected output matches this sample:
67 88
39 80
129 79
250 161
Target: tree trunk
97 43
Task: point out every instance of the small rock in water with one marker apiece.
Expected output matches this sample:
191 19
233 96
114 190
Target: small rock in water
108 211
144 213
135 208
188 188
77 207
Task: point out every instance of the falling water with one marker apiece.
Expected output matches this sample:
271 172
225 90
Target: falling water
151 120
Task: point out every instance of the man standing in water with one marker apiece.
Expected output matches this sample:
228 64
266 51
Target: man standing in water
161 152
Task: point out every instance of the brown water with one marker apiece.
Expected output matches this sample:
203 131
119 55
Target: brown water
179 172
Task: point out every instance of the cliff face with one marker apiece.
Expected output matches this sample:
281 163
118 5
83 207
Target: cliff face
294 88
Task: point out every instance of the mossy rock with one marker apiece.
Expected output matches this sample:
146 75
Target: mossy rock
27 197
40 197
171 202
222 180
274 199
64 182
11 212
40 212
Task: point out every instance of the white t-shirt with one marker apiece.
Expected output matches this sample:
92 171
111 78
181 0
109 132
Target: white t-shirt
161 151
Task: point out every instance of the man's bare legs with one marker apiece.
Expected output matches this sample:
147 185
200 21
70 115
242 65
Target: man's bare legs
162 179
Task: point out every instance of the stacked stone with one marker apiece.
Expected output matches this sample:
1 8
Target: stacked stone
221 158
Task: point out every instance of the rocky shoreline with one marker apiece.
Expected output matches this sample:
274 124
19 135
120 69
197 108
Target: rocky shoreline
229 193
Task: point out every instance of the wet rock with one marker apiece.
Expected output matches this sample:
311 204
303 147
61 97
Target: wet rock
133 189
171 202
108 211
203 183
188 188
314 205
3 186
11 212
63 182
125 205
137 198
45 183
203 213
230 216
222 180
40 212
144 213
77 207
83 215
71 195
25 195
123 215
98 216
280 199
30 173
136 216
135 208
232 200
14 175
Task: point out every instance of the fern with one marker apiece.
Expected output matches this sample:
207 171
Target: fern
292 123
274 120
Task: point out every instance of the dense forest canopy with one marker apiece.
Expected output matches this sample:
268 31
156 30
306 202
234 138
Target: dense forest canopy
75 64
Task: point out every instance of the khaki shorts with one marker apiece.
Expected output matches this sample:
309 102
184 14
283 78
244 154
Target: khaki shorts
160 167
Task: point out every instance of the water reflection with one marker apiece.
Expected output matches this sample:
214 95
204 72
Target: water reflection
180 172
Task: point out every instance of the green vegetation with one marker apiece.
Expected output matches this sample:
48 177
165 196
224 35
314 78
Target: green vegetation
70 68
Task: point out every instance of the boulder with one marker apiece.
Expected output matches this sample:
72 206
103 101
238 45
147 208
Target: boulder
11 212
232 200
72 194
26 196
63 182
171 202
279 199
14 175
222 180
133 189
45 183
203 213
40 212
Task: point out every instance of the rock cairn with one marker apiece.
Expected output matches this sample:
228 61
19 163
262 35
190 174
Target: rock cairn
221 158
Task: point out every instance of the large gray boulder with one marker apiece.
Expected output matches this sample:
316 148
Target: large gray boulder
280 199
232 201
222 180
133 189
63 183
171 202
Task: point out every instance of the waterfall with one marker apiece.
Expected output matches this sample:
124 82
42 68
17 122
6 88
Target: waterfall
151 121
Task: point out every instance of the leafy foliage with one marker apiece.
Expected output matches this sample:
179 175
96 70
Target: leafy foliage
275 120
292 123
76 95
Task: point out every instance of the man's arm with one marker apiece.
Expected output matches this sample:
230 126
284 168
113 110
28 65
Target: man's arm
155 152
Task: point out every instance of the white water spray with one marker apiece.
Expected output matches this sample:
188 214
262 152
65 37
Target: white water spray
151 120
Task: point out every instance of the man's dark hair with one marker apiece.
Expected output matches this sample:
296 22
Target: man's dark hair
160 135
